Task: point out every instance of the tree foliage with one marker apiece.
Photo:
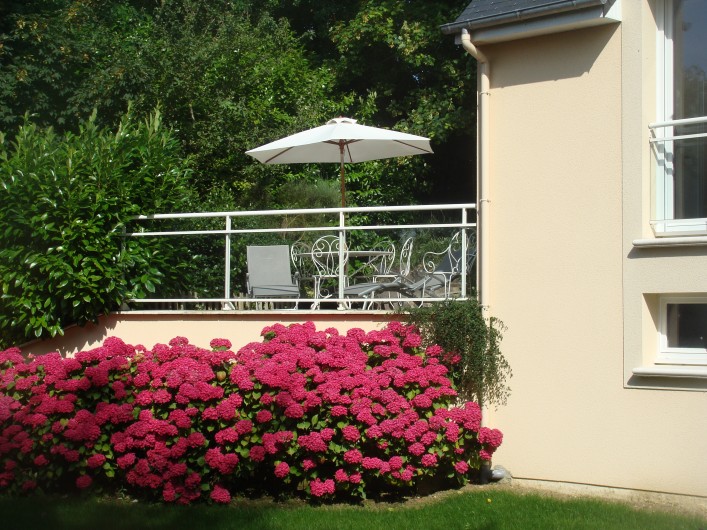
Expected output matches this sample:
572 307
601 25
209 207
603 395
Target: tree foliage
231 75
406 75
63 201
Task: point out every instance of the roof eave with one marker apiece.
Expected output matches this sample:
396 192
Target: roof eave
546 13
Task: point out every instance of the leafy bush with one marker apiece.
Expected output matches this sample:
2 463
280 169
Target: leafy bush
305 411
472 345
63 201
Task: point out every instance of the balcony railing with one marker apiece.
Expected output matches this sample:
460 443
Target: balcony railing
679 184
214 245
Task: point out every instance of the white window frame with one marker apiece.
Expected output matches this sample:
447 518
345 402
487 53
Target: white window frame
685 356
664 223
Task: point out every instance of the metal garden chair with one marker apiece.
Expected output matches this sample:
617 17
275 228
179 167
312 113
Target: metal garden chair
269 273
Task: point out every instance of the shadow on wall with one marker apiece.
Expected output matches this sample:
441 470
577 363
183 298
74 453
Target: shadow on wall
540 59
75 339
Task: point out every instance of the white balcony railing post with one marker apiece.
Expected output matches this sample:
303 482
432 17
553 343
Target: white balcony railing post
227 264
342 265
464 251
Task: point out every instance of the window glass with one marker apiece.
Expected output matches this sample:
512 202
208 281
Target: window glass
686 325
689 45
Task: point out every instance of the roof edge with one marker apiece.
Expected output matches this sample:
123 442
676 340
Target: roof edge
519 15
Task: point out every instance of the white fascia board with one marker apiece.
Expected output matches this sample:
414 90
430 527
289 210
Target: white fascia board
592 16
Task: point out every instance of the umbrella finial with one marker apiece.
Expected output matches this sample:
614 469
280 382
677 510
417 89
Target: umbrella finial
340 119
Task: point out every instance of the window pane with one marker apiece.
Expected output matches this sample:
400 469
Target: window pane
690 100
687 325
690 183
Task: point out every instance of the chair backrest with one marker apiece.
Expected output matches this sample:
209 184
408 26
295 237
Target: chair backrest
451 262
300 253
384 264
269 265
325 255
405 255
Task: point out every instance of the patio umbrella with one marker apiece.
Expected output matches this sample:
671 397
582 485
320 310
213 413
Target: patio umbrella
341 140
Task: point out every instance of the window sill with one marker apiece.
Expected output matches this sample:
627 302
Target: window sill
697 372
681 241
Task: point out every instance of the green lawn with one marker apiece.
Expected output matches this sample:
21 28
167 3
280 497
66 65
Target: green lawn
482 508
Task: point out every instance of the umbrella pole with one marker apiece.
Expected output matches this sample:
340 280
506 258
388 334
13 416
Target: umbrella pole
341 171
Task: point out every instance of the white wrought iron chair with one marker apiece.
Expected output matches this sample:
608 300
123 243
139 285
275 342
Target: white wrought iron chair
368 290
327 262
301 256
441 269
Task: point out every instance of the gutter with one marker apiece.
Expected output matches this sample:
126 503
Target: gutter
482 165
547 9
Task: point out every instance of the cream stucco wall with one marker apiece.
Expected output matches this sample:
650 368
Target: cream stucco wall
240 327
569 192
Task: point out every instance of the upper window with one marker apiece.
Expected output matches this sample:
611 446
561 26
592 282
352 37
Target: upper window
683 330
680 137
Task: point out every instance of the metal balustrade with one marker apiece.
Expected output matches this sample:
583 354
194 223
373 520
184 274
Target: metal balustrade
356 227
679 184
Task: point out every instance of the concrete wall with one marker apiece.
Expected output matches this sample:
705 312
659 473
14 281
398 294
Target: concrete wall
152 327
570 189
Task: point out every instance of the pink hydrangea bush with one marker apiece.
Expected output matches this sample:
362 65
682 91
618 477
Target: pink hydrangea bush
303 411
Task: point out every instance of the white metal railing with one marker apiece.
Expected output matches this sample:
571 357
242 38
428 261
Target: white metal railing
343 221
665 190
676 123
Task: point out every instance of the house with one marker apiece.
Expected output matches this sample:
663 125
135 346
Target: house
592 227
592 187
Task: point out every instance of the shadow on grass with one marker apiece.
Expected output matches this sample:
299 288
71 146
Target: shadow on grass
482 508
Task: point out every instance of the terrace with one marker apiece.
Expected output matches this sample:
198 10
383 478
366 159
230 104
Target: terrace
368 249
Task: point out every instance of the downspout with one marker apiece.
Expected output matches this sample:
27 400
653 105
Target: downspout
482 166
482 201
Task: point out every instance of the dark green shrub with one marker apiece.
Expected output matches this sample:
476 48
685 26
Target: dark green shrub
460 328
64 200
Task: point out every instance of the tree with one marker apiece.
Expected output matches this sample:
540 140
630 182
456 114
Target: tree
64 199
225 80
231 75
406 75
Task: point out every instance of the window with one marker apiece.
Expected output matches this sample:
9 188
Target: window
680 136
683 330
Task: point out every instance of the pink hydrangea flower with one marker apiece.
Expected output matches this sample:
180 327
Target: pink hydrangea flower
461 467
83 482
353 456
350 433
416 449
492 437
282 470
429 460
320 488
220 343
220 495
263 416
338 410
257 453
96 460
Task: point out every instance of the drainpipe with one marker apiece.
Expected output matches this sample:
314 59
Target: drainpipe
482 188
482 166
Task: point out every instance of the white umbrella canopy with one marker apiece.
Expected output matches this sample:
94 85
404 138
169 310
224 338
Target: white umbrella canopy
341 140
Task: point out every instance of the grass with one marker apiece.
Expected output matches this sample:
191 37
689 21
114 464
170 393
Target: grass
479 508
